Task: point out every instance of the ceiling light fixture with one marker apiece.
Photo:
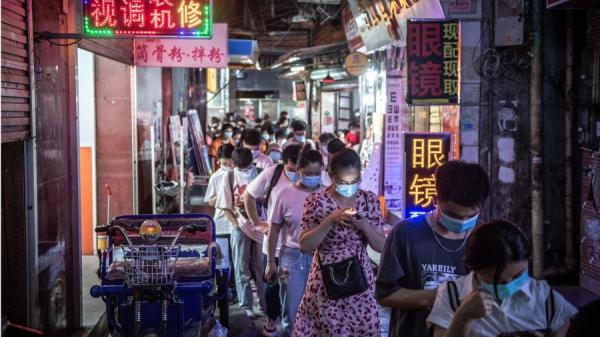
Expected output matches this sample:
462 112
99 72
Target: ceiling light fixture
328 79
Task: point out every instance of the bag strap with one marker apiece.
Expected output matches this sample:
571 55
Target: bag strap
274 180
550 310
453 295
231 182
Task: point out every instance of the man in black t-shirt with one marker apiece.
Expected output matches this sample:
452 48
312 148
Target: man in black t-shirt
423 252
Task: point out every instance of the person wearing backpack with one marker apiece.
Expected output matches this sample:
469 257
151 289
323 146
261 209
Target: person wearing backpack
284 217
498 298
269 182
246 238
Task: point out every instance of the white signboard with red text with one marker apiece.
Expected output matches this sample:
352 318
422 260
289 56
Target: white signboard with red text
185 52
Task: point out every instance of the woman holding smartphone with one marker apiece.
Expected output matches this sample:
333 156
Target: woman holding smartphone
498 298
339 297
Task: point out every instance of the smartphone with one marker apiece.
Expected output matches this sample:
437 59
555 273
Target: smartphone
360 214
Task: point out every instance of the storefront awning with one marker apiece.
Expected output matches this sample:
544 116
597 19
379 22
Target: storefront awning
308 53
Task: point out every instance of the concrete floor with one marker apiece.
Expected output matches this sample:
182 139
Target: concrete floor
93 308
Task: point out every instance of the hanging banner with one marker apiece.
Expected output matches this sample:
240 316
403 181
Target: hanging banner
383 22
130 18
433 53
423 153
183 53
352 34
396 122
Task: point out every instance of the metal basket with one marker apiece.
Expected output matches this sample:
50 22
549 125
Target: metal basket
150 265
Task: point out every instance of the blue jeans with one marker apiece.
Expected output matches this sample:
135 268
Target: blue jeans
294 268
247 265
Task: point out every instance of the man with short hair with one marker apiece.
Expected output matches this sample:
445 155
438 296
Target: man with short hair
299 134
268 183
251 139
246 239
423 252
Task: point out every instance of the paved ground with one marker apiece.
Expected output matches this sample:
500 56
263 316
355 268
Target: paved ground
93 308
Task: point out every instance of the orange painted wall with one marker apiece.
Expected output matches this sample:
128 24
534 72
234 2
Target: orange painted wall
87 201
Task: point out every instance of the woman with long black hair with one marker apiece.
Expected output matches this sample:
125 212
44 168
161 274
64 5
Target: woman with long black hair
498 298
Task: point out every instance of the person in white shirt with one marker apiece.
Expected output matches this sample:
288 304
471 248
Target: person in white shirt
267 184
215 183
251 139
285 216
498 298
246 239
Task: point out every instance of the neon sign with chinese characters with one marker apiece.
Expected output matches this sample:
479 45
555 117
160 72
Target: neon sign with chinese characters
424 153
130 18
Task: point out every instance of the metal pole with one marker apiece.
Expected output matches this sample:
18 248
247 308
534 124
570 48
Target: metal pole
570 262
153 166
31 195
535 108
181 165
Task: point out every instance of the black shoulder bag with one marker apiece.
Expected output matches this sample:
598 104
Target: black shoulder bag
343 279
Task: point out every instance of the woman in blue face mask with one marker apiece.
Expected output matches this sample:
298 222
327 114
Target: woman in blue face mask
498 297
285 216
337 224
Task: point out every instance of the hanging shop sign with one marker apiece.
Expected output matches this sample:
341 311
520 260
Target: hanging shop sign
423 153
433 62
383 22
183 53
352 34
300 90
356 63
131 18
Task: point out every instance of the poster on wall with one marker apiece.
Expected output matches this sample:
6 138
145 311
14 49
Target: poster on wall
423 153
299 91
433 52
396 122
327 110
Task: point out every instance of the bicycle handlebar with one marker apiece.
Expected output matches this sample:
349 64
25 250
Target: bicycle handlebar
190 228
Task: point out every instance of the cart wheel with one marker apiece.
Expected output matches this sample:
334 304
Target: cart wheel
223 303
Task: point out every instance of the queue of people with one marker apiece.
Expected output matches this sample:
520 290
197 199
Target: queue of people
301 224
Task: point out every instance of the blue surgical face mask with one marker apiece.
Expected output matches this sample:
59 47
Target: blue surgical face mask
301 139
508 289
347 190
456 225
292 176
227 135
255 153
310 181
275 156
266 137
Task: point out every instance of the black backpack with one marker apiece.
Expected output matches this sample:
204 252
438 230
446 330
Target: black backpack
259 205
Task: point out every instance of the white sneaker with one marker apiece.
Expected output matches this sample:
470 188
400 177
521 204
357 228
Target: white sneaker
250 314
